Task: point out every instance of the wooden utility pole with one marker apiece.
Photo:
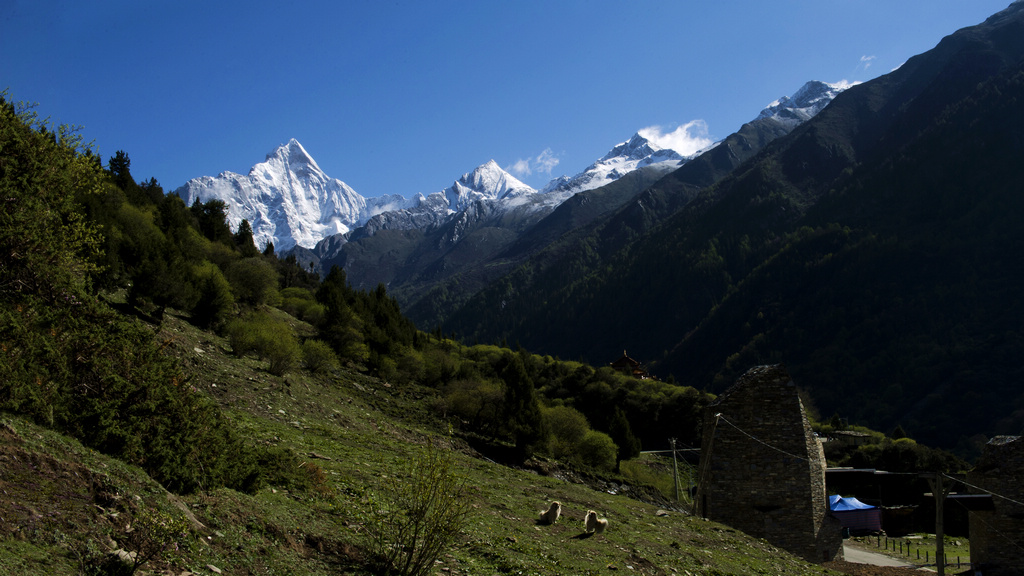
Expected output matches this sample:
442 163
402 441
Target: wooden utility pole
940 489
675 467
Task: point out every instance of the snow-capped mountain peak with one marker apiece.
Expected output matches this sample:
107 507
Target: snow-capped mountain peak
492 181
622 159
635 148
294 154
643 149
810 99
288 199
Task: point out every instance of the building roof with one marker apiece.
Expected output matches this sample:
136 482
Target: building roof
625 362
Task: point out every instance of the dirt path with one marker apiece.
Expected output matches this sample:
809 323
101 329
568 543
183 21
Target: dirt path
861 556
860 562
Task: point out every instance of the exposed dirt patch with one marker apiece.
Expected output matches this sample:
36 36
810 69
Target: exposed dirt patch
42 495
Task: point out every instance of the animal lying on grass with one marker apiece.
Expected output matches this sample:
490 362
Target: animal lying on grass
550 516
593 523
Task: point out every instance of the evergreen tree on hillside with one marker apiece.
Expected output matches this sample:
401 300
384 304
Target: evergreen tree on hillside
522 409
622 434
213 223
244 240
340 326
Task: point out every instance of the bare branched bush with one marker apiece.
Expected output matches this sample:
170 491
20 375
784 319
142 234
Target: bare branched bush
420 513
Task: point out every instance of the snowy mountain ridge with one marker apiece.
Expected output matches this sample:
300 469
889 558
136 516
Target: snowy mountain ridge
635 153
289 201
810 99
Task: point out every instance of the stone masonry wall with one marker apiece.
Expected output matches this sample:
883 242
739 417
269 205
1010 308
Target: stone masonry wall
997 537
762 470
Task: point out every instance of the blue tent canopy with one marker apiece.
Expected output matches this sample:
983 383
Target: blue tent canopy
855 515
837 503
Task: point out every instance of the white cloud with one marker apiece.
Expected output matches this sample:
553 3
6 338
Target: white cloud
520 168
865 62
686 139
544 163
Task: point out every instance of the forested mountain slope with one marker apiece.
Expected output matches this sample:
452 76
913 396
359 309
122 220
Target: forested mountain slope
873 250
586 230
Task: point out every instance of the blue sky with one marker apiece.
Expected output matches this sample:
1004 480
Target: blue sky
404 97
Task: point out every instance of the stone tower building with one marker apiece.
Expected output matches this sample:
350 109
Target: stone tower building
762 470
997 535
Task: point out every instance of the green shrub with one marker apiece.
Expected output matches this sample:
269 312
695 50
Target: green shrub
284 356
270 339
318 357
242 336
298 302
385 367
439 367
314 314
568 427
598 451
474 402
410 365
283 468
253 281
152 534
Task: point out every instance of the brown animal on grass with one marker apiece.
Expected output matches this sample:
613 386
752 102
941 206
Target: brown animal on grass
551 515
593 523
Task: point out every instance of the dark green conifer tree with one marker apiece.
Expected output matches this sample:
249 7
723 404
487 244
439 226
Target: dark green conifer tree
244 240
522 409
213 222
622 434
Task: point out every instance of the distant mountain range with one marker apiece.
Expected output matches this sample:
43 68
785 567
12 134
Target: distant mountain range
449 240
290 201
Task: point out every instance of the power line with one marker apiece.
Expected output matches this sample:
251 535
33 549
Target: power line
1008 499
974 514
758 440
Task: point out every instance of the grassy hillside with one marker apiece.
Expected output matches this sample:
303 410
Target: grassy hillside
64 505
